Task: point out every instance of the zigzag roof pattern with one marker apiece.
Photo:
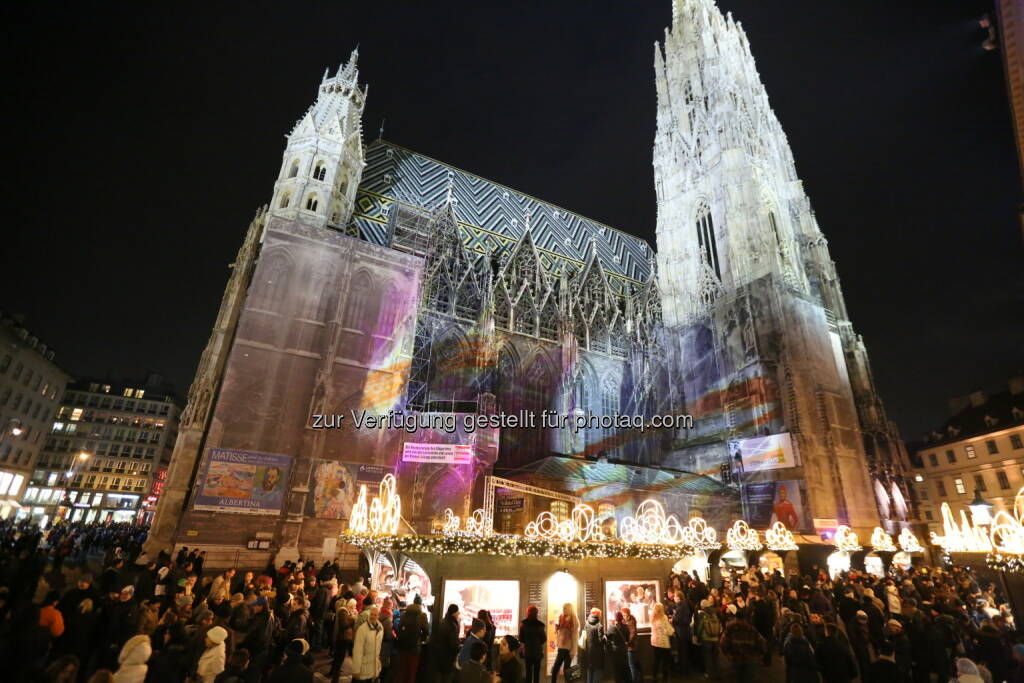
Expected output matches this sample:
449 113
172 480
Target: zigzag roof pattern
492 217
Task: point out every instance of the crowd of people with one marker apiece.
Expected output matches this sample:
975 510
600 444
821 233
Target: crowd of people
83 603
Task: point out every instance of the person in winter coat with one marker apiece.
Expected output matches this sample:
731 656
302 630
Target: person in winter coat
708 629
967 671
618 639
892 599
884 669
661 642
632 655
835 660
765 614
592 647
412 632
744 646
860 642
895 636
50 617
567 630
681 618
295 668
801 665
533 637
234 672
344 627
133 660
211 663
366 648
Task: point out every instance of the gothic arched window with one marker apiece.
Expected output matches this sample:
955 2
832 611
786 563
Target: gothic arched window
319 171
311 202
706 239
295 169
358 303
286 199
389 312
775 228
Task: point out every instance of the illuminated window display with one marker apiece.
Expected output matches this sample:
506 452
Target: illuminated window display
500 598
639 596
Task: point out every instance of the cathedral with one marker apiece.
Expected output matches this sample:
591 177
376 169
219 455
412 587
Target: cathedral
381 281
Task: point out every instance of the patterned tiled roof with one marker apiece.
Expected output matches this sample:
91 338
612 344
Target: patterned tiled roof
492 216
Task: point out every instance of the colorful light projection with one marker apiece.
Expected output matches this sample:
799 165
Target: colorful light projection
778 537
909 543
1007 538
742 537
882 541
964 537
846 540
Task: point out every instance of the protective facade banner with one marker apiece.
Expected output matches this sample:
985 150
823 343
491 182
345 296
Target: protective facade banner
242 481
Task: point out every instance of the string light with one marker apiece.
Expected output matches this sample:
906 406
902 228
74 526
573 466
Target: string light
580 527
652 525
960 538
384 513
742 537
699 535
882 541
1007 538
778 537
909 543
846 540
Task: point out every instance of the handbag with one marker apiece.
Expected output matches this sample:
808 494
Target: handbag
574 672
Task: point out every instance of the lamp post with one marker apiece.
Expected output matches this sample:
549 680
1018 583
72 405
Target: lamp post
79 461
981 509
13 428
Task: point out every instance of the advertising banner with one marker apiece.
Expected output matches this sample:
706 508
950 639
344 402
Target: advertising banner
242 481
774 452
775 501
335 486
639 596
441 453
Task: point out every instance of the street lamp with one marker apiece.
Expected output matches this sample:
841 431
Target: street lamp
79 461
981 509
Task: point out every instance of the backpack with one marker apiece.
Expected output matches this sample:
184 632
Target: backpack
408 633
710 628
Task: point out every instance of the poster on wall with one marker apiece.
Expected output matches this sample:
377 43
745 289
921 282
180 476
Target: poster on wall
500 598
242 481
762 453
443 453
335 485
639 596
775 501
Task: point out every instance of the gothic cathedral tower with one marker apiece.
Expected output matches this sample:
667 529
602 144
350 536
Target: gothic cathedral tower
751 297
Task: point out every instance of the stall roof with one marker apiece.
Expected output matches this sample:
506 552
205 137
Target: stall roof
639 477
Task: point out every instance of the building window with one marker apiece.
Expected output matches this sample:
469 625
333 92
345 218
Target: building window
951 456
928 515
311 203
918 477
933 460
706 239
979 482
5 363
286 199
959 484
294 169
1015 441
940 488
991 445
560 510
1004 481
924 494
970 452
139 393
320 172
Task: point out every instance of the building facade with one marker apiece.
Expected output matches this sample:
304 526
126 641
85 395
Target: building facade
380 280
30 386
107 448
978 450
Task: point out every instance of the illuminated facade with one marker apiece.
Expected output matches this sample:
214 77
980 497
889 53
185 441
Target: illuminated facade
979 448
30 386
380 279
104 450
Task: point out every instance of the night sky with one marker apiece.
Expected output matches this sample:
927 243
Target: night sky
141 141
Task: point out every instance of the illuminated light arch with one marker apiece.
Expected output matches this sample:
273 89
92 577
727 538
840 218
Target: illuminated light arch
778 537
742 537
962 537
881 541
908 542
383 514
846 540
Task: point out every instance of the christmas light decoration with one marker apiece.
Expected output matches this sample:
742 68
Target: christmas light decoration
909 543
778 537
580 527
963 538
699 535
477 523
514 546
846 540
651 525
451 522
382 516
882 541
742 537
1007 538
